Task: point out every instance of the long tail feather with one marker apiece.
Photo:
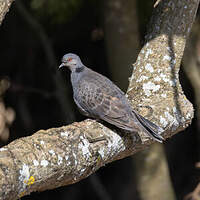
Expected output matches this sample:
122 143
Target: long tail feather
150 128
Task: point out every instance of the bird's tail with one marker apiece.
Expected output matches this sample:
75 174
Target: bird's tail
150 128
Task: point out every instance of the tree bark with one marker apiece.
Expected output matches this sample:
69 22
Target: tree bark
65 155
154 81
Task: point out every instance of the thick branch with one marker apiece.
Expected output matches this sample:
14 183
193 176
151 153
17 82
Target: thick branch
62 156
59 156
155 80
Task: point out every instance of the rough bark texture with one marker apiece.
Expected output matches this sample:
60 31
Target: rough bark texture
59 156
62 156
155 81
4 8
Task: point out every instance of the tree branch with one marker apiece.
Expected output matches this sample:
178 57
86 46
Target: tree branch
155 80
62 156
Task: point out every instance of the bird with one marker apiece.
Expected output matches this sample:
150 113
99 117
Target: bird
98 97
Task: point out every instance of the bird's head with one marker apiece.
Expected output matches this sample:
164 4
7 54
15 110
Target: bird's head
72 61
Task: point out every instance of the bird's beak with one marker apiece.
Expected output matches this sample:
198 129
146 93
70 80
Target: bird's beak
62 65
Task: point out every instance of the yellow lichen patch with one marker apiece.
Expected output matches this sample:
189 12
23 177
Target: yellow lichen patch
31 180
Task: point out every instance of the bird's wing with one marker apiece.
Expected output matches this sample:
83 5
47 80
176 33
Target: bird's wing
102 99
117 113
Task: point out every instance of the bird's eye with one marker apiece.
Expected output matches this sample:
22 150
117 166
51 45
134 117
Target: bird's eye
69 59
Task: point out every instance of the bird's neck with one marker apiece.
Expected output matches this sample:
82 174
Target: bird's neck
79 69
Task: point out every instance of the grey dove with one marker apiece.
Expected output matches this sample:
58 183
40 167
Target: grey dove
98 97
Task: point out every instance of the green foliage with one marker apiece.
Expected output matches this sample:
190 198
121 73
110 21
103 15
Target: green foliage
59 11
